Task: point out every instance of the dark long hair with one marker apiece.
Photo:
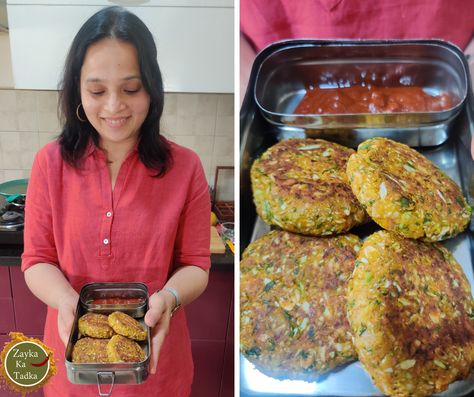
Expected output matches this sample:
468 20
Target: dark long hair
118 23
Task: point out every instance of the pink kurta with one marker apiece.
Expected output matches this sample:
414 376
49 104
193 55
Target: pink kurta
140 231
451 20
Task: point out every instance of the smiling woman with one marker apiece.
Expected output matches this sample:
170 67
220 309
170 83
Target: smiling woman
112 200
114 100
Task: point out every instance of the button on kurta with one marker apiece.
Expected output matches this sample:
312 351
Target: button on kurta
108 214
106 241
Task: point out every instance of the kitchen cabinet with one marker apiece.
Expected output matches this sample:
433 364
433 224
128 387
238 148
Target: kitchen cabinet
30 312
227 387
210 320
7 318
194 40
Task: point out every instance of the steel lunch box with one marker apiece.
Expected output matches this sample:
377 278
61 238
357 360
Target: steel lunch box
453 157
109 373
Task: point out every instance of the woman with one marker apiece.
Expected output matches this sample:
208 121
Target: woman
112 200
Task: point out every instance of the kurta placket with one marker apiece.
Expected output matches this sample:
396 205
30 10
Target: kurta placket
110 202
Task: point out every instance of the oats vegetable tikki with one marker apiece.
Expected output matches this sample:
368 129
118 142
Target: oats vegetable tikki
125 325
301 186
411 312
293 303
95 325
122 349
406 193
90 350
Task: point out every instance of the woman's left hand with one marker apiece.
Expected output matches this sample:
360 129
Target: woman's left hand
158 319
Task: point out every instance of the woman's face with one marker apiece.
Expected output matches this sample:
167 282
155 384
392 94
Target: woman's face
112 94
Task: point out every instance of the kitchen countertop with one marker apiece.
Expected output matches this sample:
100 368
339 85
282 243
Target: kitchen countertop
10 255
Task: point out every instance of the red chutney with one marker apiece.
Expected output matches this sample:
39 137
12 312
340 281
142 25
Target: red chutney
117 301
371 99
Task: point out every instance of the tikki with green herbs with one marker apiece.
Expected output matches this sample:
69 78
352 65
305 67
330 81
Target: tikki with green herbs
301 186
293 303
410 309
406 193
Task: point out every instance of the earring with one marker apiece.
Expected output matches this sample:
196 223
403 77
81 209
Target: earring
77 113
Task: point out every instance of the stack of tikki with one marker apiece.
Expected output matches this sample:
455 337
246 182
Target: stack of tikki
293 286
109 339
409 303
410 312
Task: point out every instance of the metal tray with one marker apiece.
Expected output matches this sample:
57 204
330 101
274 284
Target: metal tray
453 157
284 75
110 373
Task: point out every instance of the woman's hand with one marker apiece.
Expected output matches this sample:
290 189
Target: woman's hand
66 311
158 319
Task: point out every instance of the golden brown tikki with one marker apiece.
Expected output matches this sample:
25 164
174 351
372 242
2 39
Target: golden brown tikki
406 193
122 349
411 312
95 325
293 303
125 325
301 186
90 350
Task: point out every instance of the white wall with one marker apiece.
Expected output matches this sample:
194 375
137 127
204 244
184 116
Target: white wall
194 40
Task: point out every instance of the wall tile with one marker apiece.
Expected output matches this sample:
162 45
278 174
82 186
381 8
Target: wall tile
195 125
222 160
225 125
45 137
47 101
207 105
11 160
196 104
48 121
171 104
204 145
169 123
16 141
26 101
185 125
29 141
18 149
185 140
7 100
168 136
207 165
27 121
225 105
9 175
26 159
224 146
205 125
8 120
187 104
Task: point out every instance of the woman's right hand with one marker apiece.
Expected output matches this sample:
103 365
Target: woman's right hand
66 313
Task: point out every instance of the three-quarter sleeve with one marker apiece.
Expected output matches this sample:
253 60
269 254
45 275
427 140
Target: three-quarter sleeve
192 245
39 245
